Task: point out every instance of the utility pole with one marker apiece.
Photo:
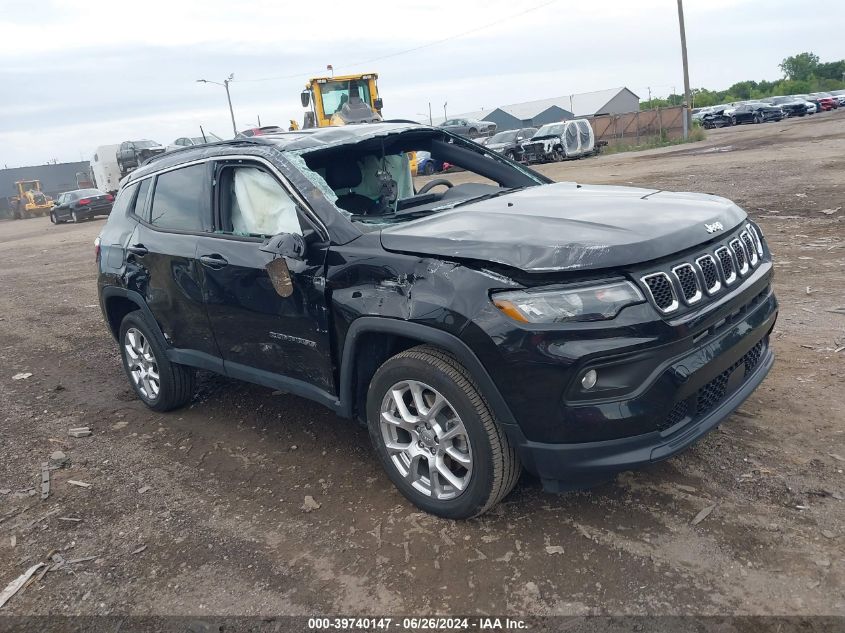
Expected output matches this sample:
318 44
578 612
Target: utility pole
686 67
445 116
225 84
430 119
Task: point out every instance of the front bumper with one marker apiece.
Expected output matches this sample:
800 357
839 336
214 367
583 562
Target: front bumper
564 467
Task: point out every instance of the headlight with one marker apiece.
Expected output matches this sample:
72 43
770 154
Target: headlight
582 303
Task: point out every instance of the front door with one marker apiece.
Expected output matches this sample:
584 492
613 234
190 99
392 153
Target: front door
262 334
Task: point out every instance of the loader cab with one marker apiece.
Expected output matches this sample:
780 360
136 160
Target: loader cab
333 101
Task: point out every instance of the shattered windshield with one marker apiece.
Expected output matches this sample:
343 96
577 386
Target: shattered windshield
372 184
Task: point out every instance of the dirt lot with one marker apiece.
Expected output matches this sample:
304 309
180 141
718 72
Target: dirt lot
199 511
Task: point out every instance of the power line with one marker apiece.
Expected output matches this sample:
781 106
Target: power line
415 48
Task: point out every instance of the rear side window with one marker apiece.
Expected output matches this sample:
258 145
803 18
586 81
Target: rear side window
141 200
123 200
179 199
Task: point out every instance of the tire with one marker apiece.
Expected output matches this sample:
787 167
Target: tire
510 155
473 133
428 169
176 383
53 218
733 120
758 119
493 466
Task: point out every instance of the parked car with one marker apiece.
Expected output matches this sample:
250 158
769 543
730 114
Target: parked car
827 100
472 128
131 154
718 116
510 142
815 101
839 95
476 329
791 106
558 141
756 112
259 131
426 165
191 141
80 204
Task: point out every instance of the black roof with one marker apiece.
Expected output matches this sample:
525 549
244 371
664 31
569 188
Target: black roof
299 140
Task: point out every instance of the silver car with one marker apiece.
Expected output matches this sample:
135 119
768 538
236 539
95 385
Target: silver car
472 128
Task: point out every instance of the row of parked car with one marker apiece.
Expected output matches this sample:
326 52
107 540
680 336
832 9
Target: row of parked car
768 109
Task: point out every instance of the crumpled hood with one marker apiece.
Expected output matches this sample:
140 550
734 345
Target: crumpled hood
567 227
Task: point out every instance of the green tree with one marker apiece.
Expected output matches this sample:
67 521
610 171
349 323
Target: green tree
801 66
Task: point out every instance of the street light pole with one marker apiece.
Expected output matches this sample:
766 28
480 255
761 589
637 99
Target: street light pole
686 67
225 85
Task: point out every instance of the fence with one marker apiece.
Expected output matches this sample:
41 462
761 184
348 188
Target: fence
635 128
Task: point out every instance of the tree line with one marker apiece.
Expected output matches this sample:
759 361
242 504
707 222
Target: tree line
803 73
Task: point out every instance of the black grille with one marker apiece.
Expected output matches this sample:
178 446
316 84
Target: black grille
726 262
739 253
689 282
678 413
661 290
711 394
708 269
749 247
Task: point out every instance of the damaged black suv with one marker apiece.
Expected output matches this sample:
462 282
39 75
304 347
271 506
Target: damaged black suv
478 325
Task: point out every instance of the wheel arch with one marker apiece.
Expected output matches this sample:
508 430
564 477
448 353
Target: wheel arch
118 302
383 338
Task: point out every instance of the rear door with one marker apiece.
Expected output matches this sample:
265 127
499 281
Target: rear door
163 248
261 333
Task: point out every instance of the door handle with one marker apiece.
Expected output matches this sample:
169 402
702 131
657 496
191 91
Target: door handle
214 261
137 249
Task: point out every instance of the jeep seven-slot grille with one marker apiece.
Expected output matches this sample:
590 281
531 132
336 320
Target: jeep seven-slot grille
709 272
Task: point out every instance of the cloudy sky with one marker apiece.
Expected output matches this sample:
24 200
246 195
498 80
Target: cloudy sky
76 74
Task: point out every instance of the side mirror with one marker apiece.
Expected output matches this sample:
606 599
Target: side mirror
305 98
378 103
288 249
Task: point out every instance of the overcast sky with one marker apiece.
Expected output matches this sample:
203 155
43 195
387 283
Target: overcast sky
76 74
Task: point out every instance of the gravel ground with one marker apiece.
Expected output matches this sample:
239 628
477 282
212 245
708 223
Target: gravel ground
200 511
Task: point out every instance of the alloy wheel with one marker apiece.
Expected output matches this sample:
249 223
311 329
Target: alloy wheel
426 440
142 363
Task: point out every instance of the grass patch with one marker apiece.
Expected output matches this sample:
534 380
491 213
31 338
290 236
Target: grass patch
696 134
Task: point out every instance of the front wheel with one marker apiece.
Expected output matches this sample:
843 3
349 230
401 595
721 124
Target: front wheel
53 218
758 118
436 436
733 120
159 383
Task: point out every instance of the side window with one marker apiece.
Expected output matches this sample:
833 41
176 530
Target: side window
140 205
124 198
179 199
253 202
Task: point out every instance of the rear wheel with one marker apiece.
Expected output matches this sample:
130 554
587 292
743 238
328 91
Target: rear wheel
159 383
733 120
473 133
436 436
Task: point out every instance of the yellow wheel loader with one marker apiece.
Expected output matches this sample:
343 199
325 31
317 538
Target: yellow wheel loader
30 201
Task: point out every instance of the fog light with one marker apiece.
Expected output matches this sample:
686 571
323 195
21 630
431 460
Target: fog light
588 380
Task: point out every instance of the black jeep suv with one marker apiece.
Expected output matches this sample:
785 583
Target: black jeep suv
476 328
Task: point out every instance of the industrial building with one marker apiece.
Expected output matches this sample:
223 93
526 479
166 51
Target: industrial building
537 113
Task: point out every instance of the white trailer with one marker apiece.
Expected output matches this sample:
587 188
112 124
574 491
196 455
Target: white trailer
105 169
